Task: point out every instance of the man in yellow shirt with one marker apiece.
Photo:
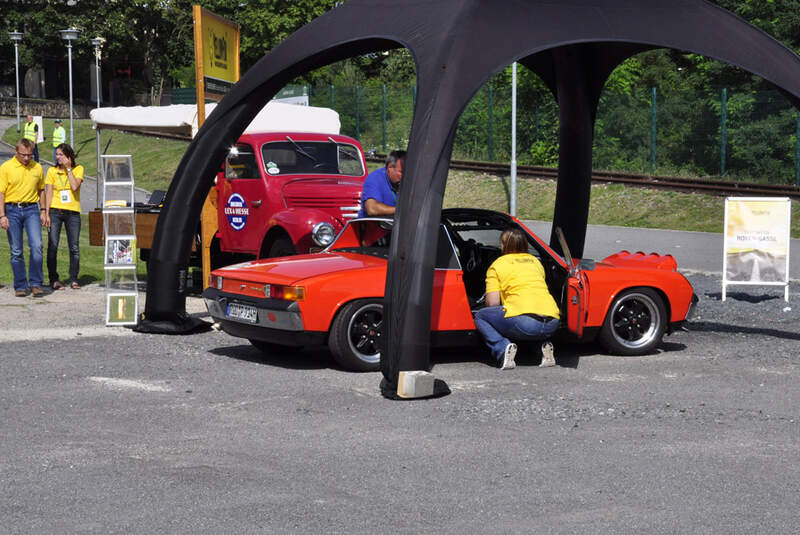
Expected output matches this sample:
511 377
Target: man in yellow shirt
21 184
519 306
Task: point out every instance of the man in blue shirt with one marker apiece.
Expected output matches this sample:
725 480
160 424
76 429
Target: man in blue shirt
379 196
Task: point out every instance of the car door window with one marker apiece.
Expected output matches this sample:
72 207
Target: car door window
241 162
350 160
445 253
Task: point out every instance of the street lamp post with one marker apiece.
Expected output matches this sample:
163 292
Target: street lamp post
98 43
16 37
70 35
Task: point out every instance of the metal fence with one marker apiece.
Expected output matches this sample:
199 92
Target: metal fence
722 133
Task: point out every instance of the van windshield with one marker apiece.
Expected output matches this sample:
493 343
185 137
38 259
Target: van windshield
292 157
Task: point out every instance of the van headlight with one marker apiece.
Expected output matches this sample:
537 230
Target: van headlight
323 234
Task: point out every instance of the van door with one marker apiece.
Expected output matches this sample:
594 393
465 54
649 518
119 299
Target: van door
242 214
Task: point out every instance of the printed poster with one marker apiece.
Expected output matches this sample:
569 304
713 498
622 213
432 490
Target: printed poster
122 309
120 251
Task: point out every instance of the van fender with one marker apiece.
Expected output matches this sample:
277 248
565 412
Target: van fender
298 223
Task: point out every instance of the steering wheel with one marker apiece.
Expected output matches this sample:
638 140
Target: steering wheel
470 256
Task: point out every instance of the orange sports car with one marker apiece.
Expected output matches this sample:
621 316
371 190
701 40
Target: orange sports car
628 301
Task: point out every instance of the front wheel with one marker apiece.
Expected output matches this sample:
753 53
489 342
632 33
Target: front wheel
635 323
282 246
355 335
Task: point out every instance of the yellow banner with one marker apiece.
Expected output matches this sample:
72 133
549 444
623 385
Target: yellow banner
219 47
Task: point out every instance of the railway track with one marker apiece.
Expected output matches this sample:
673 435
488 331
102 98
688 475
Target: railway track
698 185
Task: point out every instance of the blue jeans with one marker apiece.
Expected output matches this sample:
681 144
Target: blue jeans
27 218
499 331
72 222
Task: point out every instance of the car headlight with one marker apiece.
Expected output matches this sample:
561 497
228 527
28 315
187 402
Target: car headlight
323 234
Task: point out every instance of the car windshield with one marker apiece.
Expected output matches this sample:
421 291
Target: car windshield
373 237
484 231
294 156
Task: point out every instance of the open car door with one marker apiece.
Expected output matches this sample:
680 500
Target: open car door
577 291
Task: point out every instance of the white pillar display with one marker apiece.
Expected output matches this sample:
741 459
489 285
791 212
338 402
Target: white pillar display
119 225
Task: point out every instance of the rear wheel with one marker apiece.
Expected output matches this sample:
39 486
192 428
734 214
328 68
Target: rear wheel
355 335
635 323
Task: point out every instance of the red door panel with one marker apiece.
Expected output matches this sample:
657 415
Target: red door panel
577 300
450 309
241 198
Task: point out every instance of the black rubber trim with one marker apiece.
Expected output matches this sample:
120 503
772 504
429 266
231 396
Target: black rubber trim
274 336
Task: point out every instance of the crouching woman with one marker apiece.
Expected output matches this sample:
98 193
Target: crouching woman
519 307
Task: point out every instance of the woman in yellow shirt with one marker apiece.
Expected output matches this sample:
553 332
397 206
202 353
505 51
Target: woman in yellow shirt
62 187
519 306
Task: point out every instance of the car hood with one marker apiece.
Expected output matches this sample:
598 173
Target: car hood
294 269
639 260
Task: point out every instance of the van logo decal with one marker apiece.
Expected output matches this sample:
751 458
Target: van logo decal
236 211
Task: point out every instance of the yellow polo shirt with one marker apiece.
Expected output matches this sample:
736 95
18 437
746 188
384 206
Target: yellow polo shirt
519 277
21 183
63 196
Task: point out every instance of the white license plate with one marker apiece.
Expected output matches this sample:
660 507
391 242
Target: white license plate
242 312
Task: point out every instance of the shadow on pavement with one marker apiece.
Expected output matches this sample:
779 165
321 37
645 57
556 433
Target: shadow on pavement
710 326
739 296
290 357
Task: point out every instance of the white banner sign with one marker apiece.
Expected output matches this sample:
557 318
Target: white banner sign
757 233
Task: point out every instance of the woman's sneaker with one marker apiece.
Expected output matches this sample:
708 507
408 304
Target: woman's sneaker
508 357
547 355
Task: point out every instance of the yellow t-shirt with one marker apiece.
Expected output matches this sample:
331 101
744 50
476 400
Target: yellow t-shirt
21 183
63 196
519 277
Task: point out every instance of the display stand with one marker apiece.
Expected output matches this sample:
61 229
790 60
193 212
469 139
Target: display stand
119 222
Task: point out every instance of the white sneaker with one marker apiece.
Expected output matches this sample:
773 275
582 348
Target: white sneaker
547 355
508 357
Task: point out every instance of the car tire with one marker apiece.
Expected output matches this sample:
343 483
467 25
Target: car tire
282 246
354 339
635 323
266 347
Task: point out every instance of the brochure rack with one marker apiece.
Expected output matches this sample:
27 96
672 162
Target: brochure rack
119 223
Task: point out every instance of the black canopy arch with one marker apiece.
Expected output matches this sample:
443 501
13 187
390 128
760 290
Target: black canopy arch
457 45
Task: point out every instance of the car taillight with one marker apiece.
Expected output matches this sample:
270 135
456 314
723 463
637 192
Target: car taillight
215 281
287 293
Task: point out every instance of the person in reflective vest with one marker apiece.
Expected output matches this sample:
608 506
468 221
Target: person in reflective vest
30 132
59 137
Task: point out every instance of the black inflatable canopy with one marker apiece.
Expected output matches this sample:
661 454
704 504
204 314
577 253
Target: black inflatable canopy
457 45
